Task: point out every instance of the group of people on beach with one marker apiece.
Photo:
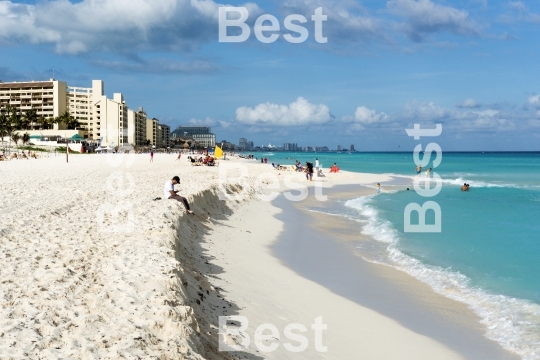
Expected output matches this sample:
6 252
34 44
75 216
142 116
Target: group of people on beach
18 156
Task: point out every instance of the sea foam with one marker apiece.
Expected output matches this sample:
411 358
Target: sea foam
511 322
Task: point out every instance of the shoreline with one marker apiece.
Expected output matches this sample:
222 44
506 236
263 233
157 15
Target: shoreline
266 291
467 334
375 285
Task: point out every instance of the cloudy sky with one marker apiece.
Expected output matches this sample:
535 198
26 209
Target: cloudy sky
471 65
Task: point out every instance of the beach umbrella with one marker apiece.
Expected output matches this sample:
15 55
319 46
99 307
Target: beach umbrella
218 153
77 137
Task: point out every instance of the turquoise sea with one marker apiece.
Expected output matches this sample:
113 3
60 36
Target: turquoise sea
488 253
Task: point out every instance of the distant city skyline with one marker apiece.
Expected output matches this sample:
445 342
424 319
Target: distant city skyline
470 65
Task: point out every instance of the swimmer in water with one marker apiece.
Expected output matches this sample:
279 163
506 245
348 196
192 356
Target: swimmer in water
465 187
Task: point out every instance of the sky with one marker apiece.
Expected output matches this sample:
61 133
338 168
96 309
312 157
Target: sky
470 65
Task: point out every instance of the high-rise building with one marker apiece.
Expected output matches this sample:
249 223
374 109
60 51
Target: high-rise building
242 144
81 107
290 147
339 148
191 130
225 145
205 140
200 134
100 118
137 127
165 135
111 117
352 147
47 98
152 131
322 148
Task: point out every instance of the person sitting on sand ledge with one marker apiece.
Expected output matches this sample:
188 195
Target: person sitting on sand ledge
170 193
334 168
465 187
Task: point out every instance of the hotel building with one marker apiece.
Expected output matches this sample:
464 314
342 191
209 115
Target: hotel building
201 134
164 135
152 131
137 127
109 121
47 98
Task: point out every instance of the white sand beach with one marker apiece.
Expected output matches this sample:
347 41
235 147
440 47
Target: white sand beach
94 268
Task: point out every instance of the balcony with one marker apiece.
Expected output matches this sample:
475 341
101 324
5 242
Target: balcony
36 102
15 102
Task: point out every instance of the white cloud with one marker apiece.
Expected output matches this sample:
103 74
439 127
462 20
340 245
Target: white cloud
367 116
347 21
111 25
426 112
299 113
202 122
534 100
486 113
469 104
424 17
518 5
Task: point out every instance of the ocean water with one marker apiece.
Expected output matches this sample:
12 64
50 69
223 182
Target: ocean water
488 253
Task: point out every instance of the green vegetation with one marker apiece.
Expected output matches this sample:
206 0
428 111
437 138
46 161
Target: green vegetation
32 148
62 149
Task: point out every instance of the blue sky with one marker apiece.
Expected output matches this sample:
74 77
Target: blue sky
471 65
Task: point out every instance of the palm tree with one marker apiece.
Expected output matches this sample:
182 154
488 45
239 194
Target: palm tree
25 138
51 121
30 118
9 109
69 120
42 122
16 137
4 124
10 130
15 118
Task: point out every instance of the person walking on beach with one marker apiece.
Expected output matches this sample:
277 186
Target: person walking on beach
170 193
179 156
151 155
418 170
378 188
317 166
428 171
309 171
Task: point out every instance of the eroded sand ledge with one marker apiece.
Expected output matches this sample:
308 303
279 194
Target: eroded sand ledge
74 286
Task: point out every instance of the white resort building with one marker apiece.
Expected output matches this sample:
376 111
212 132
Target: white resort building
47 98
104 120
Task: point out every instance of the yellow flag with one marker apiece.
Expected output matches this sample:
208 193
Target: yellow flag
218 153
